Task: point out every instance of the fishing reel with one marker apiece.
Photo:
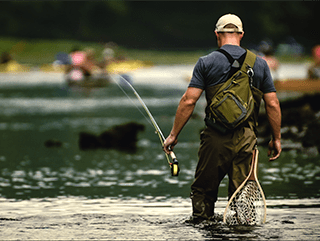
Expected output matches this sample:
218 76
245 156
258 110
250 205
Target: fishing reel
174 165
174 168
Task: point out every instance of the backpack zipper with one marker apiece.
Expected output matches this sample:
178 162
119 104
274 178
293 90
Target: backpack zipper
232 81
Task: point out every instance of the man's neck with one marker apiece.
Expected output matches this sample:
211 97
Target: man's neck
230 42
232 39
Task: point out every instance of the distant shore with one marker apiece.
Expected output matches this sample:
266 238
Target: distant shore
42 51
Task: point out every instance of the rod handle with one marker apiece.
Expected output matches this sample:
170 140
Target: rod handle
172 155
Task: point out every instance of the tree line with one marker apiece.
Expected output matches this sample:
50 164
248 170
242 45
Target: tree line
158 24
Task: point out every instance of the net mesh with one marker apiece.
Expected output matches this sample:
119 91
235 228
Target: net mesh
247 207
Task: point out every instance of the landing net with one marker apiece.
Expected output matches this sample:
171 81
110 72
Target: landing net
247 206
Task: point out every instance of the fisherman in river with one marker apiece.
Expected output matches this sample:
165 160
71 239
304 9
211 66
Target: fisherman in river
225 151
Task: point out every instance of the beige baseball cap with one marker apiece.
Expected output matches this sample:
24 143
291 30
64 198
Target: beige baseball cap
229 19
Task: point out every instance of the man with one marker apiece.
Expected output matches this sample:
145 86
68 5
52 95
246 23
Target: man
230 152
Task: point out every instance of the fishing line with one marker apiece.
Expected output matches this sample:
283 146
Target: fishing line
153 122
174 165
142 113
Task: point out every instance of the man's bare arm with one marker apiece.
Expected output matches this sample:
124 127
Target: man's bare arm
273 111
184 111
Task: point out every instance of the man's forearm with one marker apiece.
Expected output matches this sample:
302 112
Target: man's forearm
274 117
273 111
184 111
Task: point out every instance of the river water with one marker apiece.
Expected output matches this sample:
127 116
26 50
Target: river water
66 193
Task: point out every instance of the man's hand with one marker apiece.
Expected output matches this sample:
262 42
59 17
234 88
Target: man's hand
274 149
169 143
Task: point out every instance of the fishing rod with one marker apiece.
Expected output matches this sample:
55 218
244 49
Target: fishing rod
174 164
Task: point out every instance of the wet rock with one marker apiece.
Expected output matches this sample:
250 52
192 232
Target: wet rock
52 143
312 100
297 116
287 222
312 137
120 137
300 123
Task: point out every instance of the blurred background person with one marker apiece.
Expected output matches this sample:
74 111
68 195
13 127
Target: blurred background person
267 53
314 70
108 52
77 58
83 60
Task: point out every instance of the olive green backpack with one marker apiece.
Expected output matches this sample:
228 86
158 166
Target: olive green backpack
233 103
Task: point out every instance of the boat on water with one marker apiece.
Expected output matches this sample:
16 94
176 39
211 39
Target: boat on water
76 78
298 85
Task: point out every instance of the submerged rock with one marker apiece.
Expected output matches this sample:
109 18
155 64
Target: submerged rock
120 137
52 143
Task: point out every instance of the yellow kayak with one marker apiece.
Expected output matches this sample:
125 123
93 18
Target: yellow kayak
126 66
13 67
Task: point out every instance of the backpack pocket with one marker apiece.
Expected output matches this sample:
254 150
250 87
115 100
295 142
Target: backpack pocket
230 110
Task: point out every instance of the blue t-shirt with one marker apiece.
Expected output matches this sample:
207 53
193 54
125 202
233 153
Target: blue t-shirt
214 68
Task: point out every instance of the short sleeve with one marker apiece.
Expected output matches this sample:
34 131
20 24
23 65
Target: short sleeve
198 80
262 78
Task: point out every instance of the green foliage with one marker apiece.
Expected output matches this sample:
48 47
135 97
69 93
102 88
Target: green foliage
157 24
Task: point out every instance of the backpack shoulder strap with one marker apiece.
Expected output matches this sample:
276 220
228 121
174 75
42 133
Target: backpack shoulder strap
249 61
229 57
247 66
235 63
